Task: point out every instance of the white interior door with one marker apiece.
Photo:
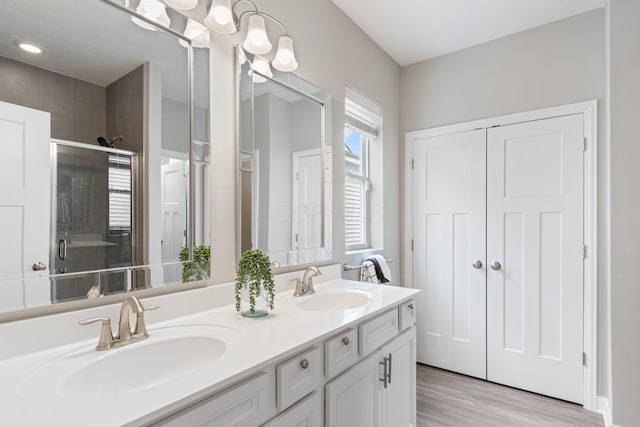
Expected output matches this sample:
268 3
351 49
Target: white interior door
449 236
535 233
25 203
307 204
174 220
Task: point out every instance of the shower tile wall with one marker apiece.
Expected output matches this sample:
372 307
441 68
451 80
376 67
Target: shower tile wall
78 108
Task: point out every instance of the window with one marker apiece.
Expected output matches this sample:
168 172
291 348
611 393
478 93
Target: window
361 142
356 189
119 193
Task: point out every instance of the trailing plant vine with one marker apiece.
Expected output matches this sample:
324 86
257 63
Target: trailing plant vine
200 267
254 274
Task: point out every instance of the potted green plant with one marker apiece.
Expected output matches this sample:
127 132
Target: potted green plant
200 267
254 284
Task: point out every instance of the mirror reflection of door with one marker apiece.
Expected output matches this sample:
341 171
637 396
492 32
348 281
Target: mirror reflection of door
174 215
24 199
307 205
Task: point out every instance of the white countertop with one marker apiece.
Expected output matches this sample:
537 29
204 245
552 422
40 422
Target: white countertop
255 343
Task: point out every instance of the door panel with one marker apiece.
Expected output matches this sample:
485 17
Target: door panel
449 223
24 190
174 217
535 231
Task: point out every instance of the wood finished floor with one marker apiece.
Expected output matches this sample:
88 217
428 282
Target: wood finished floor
449 399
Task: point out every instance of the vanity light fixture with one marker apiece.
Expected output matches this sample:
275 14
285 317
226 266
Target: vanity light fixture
27 47
198 33
182 4
261 65
224 19
155 11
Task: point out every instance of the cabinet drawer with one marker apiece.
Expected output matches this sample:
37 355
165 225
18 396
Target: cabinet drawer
378 331
340 352
407 313
246 404
308 412
298 376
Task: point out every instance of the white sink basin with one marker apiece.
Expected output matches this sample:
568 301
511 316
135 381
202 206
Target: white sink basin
335 299
167 355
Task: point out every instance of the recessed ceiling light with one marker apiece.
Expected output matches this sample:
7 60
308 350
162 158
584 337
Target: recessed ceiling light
26 46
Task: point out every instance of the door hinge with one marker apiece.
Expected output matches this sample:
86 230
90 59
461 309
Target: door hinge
584 251
411 244
412 164
584 359
585 144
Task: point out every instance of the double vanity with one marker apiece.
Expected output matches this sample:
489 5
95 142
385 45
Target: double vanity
344 355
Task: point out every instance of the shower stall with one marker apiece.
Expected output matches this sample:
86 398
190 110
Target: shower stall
92 219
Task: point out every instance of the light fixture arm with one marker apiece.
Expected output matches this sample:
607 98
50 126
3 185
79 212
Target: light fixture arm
237 19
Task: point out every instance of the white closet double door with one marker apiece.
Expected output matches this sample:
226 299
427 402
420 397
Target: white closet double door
498 253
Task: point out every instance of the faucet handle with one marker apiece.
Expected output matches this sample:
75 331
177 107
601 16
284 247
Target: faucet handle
106 335
298 291
141 327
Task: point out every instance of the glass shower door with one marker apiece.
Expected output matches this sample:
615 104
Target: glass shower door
93 211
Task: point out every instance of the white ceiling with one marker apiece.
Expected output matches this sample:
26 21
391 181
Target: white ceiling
414 30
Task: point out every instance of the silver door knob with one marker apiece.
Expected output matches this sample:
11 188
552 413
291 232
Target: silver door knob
477 264
496 265
38 266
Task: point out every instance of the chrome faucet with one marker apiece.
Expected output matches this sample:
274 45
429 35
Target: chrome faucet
125 335
305 286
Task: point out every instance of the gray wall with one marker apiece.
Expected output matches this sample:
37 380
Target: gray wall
558 63
624 60
329 57
78 108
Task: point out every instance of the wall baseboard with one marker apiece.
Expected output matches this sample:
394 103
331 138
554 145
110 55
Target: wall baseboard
604 408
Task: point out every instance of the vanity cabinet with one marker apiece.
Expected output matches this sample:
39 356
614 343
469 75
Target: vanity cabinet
361 376
379 391
246 404
306 413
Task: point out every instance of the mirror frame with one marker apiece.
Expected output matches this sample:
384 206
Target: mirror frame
325 131
86 302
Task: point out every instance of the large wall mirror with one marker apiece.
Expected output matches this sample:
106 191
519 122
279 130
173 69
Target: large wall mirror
104 171
284 192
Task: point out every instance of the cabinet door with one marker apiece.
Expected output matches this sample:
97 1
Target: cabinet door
353 399
307 413
246 404
399 397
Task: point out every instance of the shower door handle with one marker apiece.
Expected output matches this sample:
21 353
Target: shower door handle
62 249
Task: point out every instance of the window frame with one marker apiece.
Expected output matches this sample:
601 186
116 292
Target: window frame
364 178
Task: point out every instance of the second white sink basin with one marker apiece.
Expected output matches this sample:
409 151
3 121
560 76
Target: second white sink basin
167 355
335 299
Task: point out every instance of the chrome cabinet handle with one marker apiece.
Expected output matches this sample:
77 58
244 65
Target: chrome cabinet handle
389 368
304 364
62 249
496 265
477 264
38 266
345 341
